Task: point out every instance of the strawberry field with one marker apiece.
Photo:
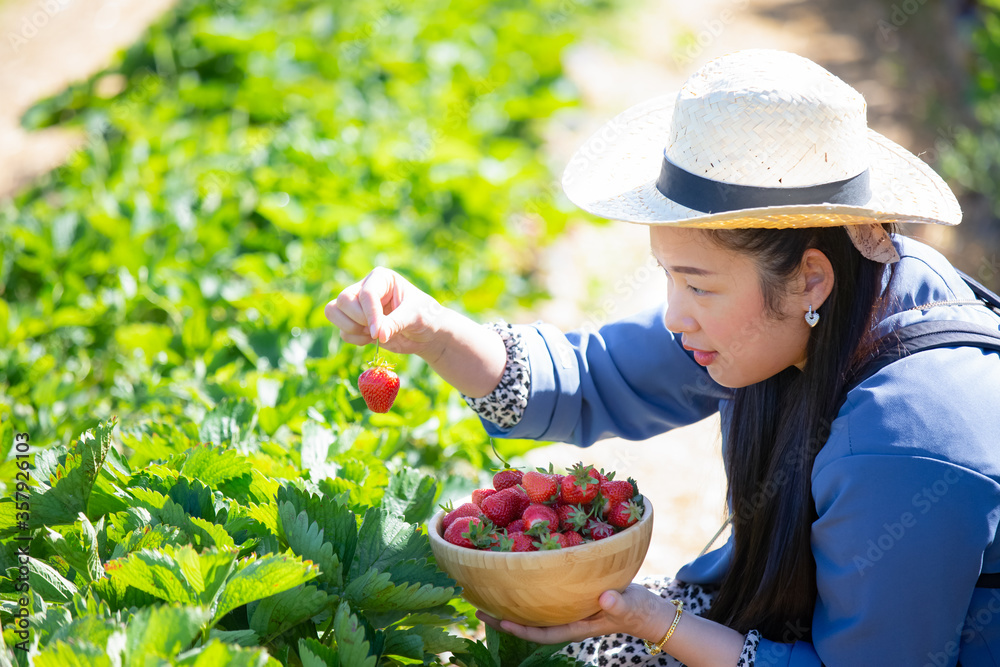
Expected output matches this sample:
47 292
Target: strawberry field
190 475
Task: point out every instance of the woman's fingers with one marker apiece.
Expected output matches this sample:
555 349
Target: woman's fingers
588 627
377 290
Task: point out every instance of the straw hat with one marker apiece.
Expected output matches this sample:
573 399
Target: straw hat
757 138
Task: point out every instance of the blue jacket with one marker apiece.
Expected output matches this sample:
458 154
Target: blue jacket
907 487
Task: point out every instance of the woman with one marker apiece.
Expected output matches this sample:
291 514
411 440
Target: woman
863 516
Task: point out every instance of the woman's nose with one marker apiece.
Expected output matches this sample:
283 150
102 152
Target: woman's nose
677 321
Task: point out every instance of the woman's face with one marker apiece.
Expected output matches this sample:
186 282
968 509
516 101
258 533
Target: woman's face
714 303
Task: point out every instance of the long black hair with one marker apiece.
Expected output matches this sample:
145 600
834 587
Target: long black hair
777 427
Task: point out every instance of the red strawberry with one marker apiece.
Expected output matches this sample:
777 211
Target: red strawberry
465 509
540 519
515 526
520 542
502 507
598 530
479 495
379 386
581 485
572 517
616 491
522 498
570 538
541 488
458 531
506 478
625 514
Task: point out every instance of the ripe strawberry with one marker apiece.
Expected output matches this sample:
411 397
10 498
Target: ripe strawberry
540 487
458 531
540 519
515 526
569 538
506 478
517 542
598 530
572 517
379 386
502 507
616 491
625 514
479 495
581 485
465 509
522 498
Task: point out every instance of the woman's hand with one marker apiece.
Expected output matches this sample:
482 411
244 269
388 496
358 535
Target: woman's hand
638 612
386 306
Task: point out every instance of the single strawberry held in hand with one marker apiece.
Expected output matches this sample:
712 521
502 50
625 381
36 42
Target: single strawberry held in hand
379 386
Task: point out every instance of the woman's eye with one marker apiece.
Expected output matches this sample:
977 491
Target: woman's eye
698 292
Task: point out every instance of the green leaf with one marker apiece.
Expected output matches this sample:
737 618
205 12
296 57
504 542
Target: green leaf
215 653
438 640
411 495
352 643
374 591
162 631
85 629
47 582
478 654
69 493
512 651
213 465
338 522
307 540
79 549
384 540
211 534
314 654
245 637
230 423
276 613
255 579
174 574
316 441
75 654
404 644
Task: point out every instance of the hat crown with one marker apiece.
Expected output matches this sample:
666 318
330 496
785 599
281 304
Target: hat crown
768 119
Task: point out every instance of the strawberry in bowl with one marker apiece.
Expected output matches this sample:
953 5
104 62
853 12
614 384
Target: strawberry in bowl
550 561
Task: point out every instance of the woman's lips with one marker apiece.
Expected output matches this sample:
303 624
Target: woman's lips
701 356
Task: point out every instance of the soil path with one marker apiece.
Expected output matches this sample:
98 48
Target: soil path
45 45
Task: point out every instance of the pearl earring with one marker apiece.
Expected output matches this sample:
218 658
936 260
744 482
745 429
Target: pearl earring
812 317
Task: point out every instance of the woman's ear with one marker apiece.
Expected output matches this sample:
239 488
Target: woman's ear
816 275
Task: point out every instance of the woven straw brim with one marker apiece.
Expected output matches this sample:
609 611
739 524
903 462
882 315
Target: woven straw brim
613 175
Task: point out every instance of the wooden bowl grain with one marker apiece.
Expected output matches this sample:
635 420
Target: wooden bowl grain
544 588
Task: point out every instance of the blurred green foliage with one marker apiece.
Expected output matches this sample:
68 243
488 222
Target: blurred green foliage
973 160
246 161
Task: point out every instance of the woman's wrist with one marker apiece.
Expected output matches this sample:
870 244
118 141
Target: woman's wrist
465 354
658 622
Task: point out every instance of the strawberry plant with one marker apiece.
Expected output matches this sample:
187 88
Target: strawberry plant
205 557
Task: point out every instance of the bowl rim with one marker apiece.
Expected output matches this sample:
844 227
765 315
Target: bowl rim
434 524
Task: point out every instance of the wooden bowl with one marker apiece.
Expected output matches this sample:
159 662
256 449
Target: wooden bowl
543 588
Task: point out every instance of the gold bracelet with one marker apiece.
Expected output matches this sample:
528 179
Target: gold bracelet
656 649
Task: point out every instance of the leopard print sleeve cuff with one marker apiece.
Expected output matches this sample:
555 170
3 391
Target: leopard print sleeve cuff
749 655
505 404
